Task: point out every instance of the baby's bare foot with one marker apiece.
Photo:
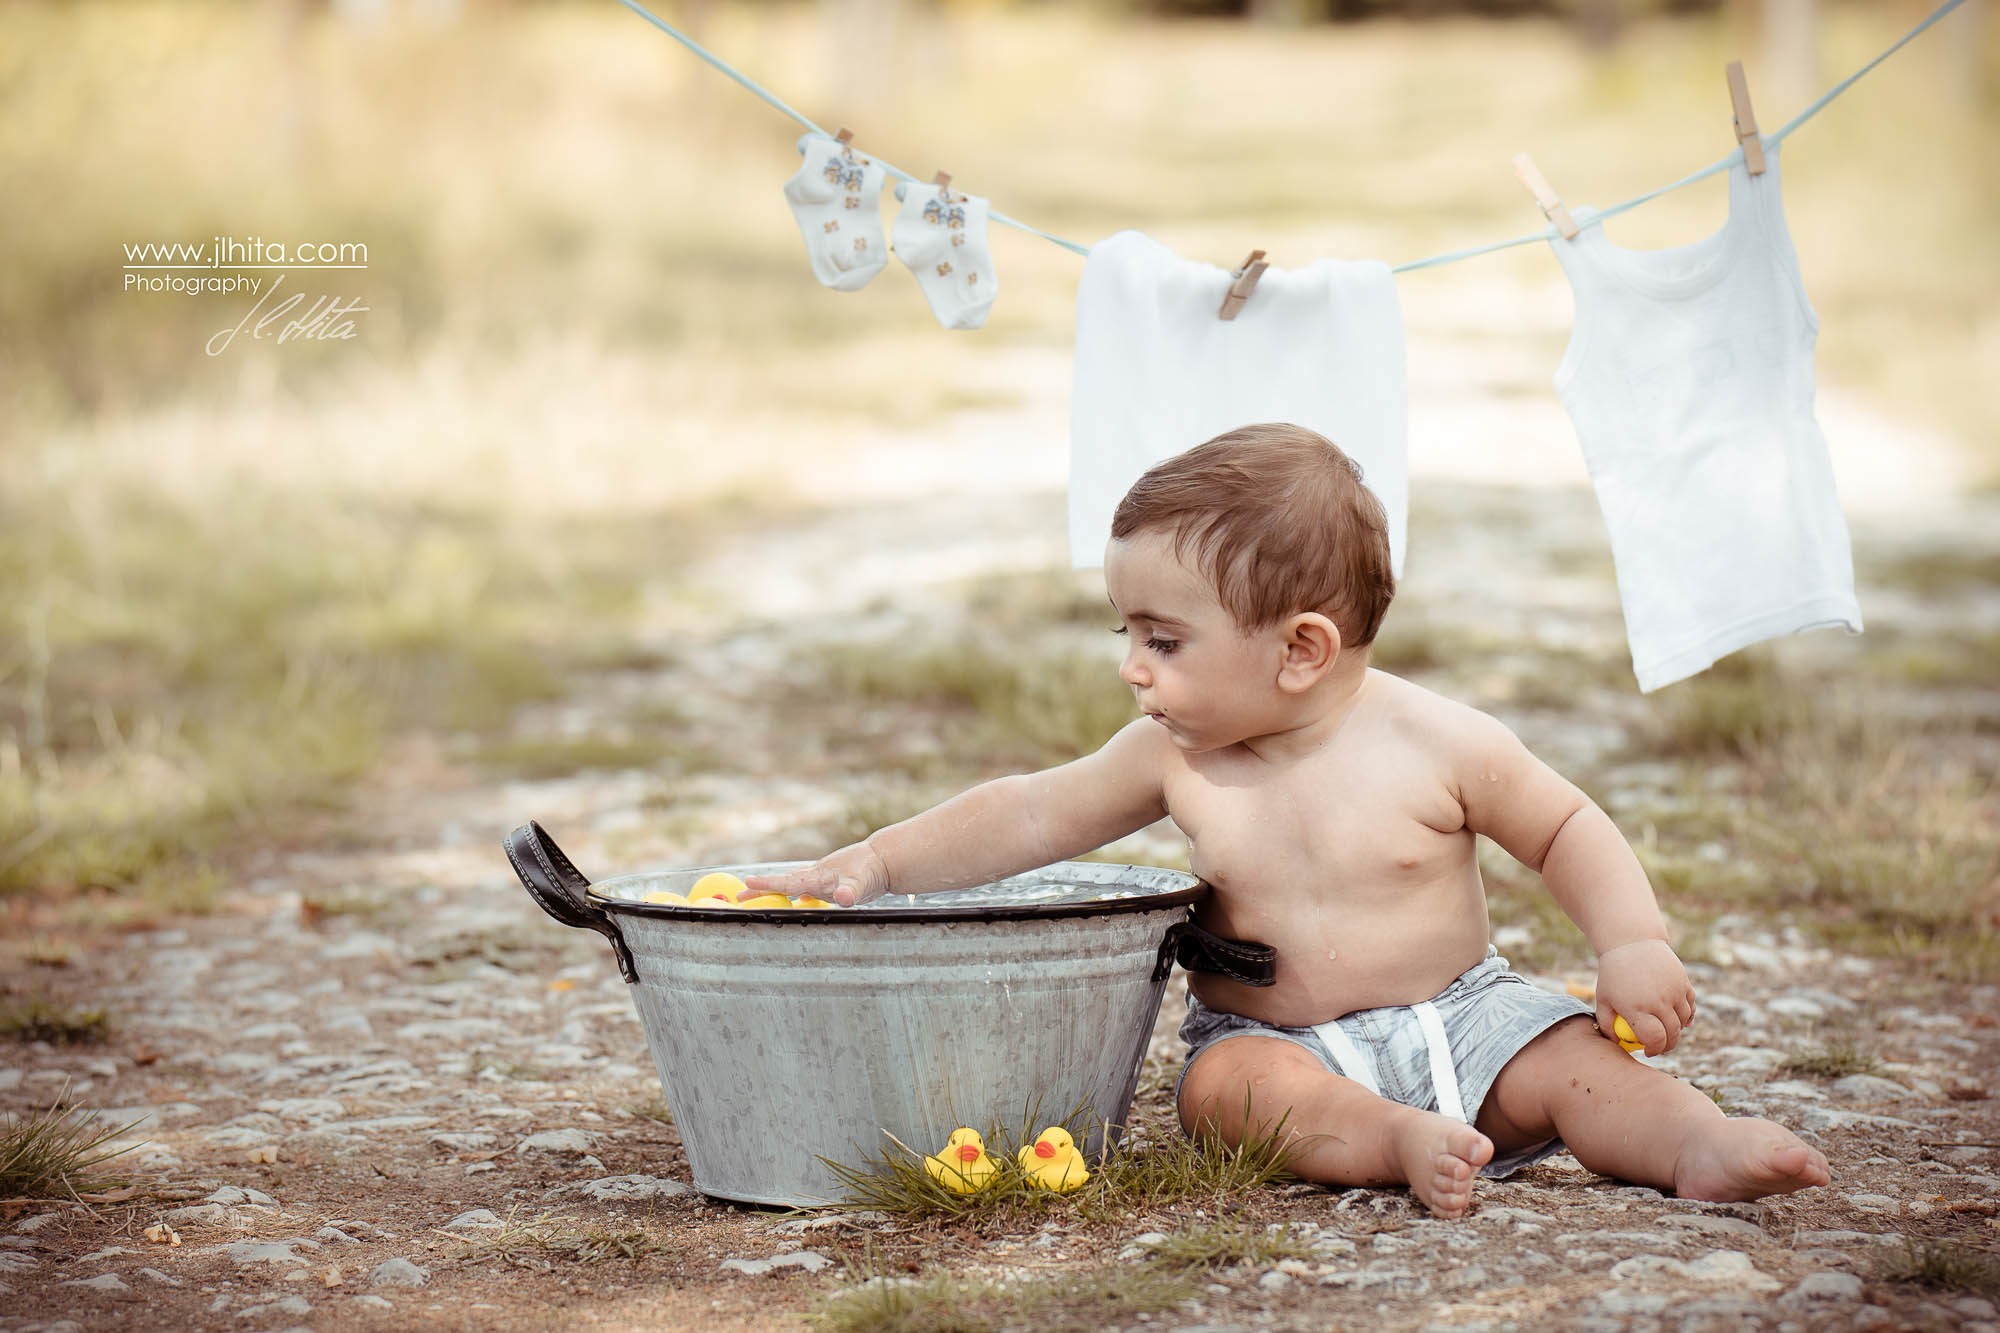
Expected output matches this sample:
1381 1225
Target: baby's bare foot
1439 1157
1746 1159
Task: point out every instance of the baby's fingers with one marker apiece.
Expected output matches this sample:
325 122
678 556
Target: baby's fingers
794 883
1659 1030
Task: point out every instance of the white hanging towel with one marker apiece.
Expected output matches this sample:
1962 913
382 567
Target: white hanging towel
1158 373
1689 379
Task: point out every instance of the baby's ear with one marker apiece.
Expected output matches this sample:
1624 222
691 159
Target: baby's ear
1312 646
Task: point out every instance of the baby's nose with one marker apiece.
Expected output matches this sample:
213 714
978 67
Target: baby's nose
1130 672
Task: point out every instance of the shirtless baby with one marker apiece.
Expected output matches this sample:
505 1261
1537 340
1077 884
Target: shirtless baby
1333 809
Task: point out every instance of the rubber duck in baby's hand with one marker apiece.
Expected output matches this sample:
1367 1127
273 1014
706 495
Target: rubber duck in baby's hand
963 1167
1622 1033
1052 1162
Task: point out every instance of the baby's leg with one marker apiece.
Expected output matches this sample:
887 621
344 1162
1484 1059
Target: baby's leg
1342 1133
1623 1118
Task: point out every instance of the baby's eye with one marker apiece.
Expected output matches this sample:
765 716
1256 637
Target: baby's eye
1162 646
1117 629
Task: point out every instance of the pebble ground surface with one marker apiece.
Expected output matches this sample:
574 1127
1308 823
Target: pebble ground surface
359 1083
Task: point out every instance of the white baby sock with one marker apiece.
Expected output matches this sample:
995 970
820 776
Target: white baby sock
837 198
941 235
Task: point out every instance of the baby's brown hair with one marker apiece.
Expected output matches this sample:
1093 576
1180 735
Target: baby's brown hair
1278 519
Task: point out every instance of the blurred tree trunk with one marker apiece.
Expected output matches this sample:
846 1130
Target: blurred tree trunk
1282 13
295 97
1969 34
1783 63
1601 22
858 39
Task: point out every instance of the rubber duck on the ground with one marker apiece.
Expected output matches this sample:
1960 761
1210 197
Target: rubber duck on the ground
1052 1162
963 1166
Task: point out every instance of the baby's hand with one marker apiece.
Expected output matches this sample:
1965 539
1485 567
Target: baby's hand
1645 982
850 876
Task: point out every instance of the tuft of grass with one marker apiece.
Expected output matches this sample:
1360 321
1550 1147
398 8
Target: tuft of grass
1834 1059
56 1153
1942 1265
1052 707
1935 571
35 1019
655 1110
540 758
49 951
1737 706
178 678
1516 897
1209 1249
537 1241
1143 1171
1889 839
869 809
1174 1167
895 1181
938 1301
350 901
1035 599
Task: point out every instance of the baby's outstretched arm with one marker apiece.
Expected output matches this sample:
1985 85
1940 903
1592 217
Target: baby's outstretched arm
1548 824
998 828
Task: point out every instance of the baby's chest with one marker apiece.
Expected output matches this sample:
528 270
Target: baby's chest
1355 830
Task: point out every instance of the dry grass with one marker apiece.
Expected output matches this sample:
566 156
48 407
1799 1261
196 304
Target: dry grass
1221 1245
58 1153
1882 828
944 1301
546 1239
1942 1265
1834 1059
1039 708
1147 1169
229 582
35 1019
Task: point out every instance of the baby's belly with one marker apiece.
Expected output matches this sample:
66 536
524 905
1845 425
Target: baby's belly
1351 958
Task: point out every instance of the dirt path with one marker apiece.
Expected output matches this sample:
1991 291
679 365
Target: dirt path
381 1090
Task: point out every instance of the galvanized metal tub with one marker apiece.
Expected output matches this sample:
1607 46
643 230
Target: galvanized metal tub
783 1036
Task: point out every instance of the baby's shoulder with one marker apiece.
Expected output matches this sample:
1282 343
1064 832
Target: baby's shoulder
1427 720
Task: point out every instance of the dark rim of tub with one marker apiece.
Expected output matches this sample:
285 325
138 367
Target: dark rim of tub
1189 894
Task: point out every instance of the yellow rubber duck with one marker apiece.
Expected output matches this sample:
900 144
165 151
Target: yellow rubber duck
765 900
807 900
963 1166
1052 1162
1622 1033
662 896
716 884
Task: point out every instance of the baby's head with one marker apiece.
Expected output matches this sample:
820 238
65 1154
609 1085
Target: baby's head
1275 518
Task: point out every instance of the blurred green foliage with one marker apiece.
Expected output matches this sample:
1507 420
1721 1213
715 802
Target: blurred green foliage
229 583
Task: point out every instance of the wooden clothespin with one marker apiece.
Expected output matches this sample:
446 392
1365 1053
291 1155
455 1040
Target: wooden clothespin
1746 119
1545 195
943 181
846 136
1239 291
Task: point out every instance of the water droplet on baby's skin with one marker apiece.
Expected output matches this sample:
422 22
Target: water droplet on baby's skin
1332 954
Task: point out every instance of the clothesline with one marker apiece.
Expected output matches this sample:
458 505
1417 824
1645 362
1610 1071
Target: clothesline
1546 233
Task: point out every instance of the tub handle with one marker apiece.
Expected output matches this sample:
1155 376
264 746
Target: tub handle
1170 948
557 887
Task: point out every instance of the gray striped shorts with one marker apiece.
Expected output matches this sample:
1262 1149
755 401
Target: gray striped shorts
1440 1055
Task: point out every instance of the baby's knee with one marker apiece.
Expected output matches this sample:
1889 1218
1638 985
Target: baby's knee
1245 1084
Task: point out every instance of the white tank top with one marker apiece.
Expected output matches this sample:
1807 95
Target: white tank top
1689 378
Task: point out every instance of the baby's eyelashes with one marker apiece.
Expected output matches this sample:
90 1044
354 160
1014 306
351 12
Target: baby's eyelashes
1155 643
